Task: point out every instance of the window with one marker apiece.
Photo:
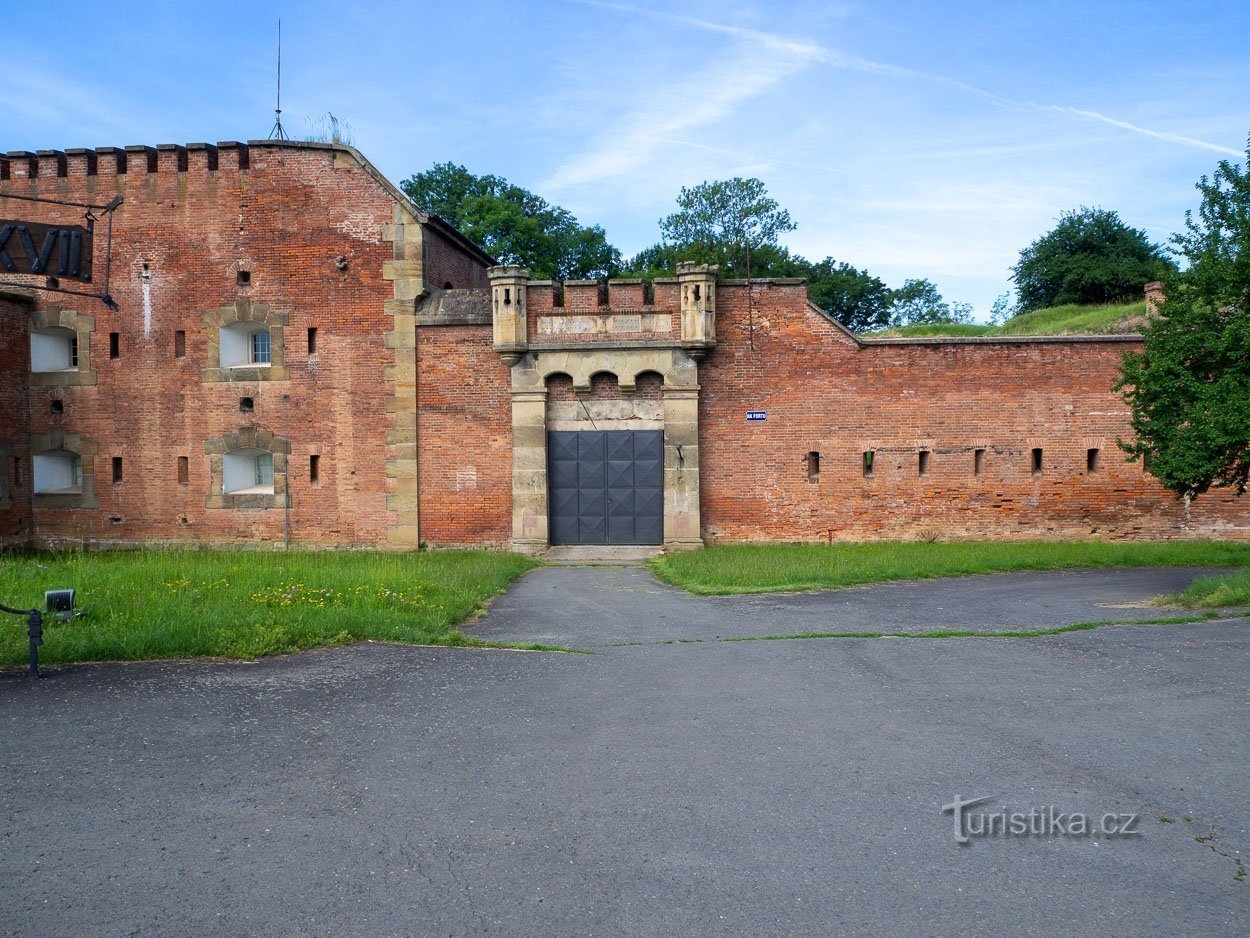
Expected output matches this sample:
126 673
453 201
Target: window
1037 461
58 472
115 345
180 344
184 470
869 456
243 278
246 405
978 462
247 472
246 345
54 349
312 340
924 462
264 469
58 407
117 469
1091 460
260 348
813 466
314 468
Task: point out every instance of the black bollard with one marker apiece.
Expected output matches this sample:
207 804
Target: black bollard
34 631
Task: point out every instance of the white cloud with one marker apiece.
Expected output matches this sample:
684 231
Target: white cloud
810 52
708 97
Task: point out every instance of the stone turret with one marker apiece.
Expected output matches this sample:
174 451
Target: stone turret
508 313
697 283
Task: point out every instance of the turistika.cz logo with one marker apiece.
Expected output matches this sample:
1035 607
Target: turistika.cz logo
1046 821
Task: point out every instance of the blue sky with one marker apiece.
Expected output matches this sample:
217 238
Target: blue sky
914 139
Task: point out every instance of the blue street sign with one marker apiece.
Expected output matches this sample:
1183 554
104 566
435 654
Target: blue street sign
756 416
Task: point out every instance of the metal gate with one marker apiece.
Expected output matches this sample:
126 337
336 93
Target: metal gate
607 486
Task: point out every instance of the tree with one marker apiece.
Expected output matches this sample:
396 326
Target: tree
722 221
1187 388
853 297
1090 256
918 303
514 224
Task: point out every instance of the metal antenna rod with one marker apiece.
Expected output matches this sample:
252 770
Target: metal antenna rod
278 133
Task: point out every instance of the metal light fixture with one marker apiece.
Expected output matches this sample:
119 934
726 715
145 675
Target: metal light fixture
60 603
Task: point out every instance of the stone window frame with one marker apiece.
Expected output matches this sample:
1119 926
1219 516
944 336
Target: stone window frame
246 438
54 317
54 441
245 309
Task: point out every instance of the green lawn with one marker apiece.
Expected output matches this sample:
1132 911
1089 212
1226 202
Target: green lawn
773 568
1057 320
167 604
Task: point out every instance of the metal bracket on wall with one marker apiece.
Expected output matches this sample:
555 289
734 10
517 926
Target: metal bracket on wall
52 285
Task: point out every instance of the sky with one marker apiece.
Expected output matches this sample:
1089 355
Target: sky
911 139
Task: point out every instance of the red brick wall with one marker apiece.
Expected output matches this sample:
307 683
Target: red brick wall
15 518
824 394
447 263
464 429
286 219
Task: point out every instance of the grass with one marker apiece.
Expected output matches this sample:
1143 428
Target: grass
774 568
1071 319
176 604
1231 589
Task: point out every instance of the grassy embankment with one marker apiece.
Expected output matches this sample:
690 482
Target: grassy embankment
772 568
174 604
1057 320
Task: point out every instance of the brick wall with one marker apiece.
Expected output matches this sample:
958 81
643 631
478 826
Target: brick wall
464 434
15 510
447 263
826 395
307 224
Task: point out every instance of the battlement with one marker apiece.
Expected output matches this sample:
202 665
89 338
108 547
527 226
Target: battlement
125 161
144 159
631 295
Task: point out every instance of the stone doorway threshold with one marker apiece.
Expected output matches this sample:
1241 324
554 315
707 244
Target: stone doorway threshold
597 555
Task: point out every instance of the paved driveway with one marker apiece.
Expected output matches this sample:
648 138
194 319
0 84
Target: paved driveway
714 788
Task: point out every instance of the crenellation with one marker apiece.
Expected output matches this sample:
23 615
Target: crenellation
81 161
23 164
201 157
111 161
627 294
581 295
51 163
141 159
232 154
171 158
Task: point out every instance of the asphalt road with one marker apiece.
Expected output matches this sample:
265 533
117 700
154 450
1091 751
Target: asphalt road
710 788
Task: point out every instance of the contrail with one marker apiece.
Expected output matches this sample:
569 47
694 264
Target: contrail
817 53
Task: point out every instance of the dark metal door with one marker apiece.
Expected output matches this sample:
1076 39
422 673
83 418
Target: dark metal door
606 486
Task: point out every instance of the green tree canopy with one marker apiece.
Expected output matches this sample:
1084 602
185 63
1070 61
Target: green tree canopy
513 224
720 221
1090 256
919 303
1189 388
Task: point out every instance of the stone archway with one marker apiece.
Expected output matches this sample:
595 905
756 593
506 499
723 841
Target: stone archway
675 414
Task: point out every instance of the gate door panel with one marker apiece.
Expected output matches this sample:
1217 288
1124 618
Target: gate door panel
607 486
